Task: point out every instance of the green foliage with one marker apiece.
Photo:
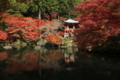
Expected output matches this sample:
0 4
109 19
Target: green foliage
67 41
63 6
66 6
27 7
17 7
32 7
49 6
73 2
17 15
4 5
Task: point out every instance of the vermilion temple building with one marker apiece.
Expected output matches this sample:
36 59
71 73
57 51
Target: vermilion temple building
70 25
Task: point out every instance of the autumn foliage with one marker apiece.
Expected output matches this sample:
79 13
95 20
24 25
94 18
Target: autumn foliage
3 35
53 15
25 28
53 38
98 19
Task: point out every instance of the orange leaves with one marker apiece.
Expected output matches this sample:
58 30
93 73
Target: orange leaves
26 18
16 35
3 35
26 28
31 35
62 18
54 38
60 32
14 31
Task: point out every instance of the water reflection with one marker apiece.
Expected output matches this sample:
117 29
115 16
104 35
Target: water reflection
16 61
57 64
3 56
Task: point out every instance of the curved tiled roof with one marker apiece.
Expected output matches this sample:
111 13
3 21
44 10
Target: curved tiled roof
71 21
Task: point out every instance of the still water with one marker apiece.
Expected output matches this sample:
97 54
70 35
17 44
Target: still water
57 64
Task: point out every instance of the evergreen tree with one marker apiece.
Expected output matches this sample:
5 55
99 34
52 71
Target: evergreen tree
4 5
30 7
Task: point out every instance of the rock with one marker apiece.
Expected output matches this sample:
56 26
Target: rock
37 48
7 47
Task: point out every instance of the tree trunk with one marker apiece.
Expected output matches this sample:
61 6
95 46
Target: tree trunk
39 14
50 16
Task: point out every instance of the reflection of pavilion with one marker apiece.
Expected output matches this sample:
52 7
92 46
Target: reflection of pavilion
69 57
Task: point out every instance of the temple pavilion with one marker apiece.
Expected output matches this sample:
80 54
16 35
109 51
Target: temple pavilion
70 25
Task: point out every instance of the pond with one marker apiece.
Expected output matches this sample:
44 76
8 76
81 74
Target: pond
57 64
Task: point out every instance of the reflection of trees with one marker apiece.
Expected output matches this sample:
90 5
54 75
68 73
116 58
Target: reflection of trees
69 50
51 59
31 60
3 56
25 62
28 61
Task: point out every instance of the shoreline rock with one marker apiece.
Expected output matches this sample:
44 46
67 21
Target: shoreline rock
7 47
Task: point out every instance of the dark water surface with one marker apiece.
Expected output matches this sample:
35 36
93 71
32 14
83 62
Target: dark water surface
57 64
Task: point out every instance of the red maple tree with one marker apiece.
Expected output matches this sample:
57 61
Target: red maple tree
98 19
26 28
3 35
52 15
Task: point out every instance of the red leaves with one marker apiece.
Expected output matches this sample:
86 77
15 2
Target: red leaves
89 22
86 4
3 35
92 4
53 15
32 35
94 15
26 28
